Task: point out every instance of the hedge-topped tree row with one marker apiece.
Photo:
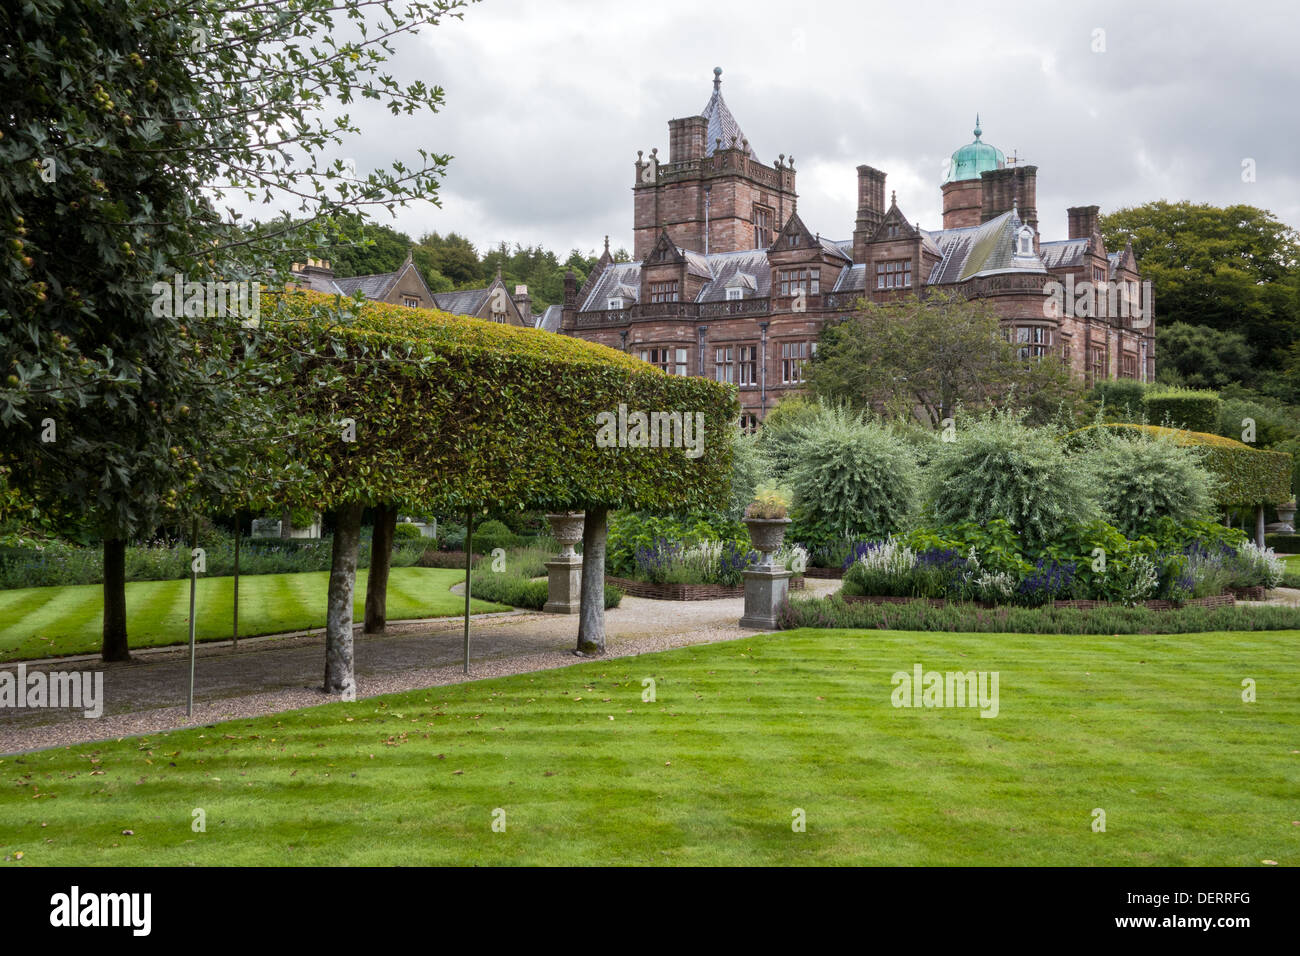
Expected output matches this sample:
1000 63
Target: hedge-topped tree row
438 413
1196 410
1246 476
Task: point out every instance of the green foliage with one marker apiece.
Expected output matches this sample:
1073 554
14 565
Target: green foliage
630 532
54 563
857 477
1140 477
1000 468
521 581
749 469
1283 543
1194 409
440 404
1233 269
492 534
935 354
1200 356
1121 399
792 422
1243 475
834 612
405 531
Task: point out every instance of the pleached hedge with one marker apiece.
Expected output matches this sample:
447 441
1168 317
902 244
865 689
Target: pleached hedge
1247 476
448 413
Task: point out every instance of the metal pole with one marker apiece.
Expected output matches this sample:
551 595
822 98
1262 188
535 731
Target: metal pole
235 627
469 559
194 583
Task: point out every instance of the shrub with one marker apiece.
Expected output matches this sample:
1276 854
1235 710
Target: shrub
491 535
835 612
857 477
630 532
1283 543
1000 468
770 503
1141 477
404 531
1193 409
749 469
1244 475
1121 398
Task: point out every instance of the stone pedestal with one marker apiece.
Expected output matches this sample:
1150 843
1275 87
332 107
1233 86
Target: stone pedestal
564 585
766 588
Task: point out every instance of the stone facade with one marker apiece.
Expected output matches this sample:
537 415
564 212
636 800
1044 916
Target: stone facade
730 283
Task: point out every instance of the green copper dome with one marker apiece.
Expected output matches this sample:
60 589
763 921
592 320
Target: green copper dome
974 158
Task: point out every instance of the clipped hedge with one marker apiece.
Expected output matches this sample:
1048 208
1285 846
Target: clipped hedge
1246 476
453 413
1283 543
1193 409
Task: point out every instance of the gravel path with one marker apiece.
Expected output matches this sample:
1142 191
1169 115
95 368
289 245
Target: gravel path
284 672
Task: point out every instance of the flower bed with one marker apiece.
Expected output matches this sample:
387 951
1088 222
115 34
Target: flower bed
684 592
1217 600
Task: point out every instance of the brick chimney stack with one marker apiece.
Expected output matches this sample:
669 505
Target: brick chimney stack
523 303
686 138
871 209
1083 221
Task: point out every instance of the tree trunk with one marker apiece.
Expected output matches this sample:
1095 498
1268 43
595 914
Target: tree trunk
381 556
115 645
591 617
339 675
286 523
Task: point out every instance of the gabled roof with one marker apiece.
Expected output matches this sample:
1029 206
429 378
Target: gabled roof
613 276
722 125
549 320
462 302
380 285
737 270
980 250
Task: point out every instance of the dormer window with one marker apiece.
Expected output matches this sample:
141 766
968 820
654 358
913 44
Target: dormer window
892 231
734 294
615 303
1025 241
411 302
794 241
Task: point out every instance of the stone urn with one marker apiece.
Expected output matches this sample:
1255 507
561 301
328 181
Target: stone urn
766 535
1286 517
564 571
567 530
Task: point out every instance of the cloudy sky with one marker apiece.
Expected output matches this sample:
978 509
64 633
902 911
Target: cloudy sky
1117 103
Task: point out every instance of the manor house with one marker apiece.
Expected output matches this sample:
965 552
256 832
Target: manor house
729 282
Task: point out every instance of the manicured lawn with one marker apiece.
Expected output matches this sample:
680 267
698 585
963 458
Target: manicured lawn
1151 729
46 622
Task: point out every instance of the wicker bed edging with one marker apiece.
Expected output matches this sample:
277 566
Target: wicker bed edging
1216 600
683 592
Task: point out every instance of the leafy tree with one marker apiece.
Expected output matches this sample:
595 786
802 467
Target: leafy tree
929 356
122 119
1200 356
1233 269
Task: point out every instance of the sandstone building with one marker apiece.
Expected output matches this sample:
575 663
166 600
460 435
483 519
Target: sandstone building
728 282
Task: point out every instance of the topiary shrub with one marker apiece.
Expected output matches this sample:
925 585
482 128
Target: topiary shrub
858 477
1141 477
1244 475
492 534
1194 409
405 531
998 467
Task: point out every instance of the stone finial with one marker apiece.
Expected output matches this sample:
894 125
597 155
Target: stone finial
893 197
717 78
607 245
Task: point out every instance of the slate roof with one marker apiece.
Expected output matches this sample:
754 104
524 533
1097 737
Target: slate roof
979 250
550 318
464 302
722 125
852 279
1063 252
372 287
615 274
318 283
729 267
